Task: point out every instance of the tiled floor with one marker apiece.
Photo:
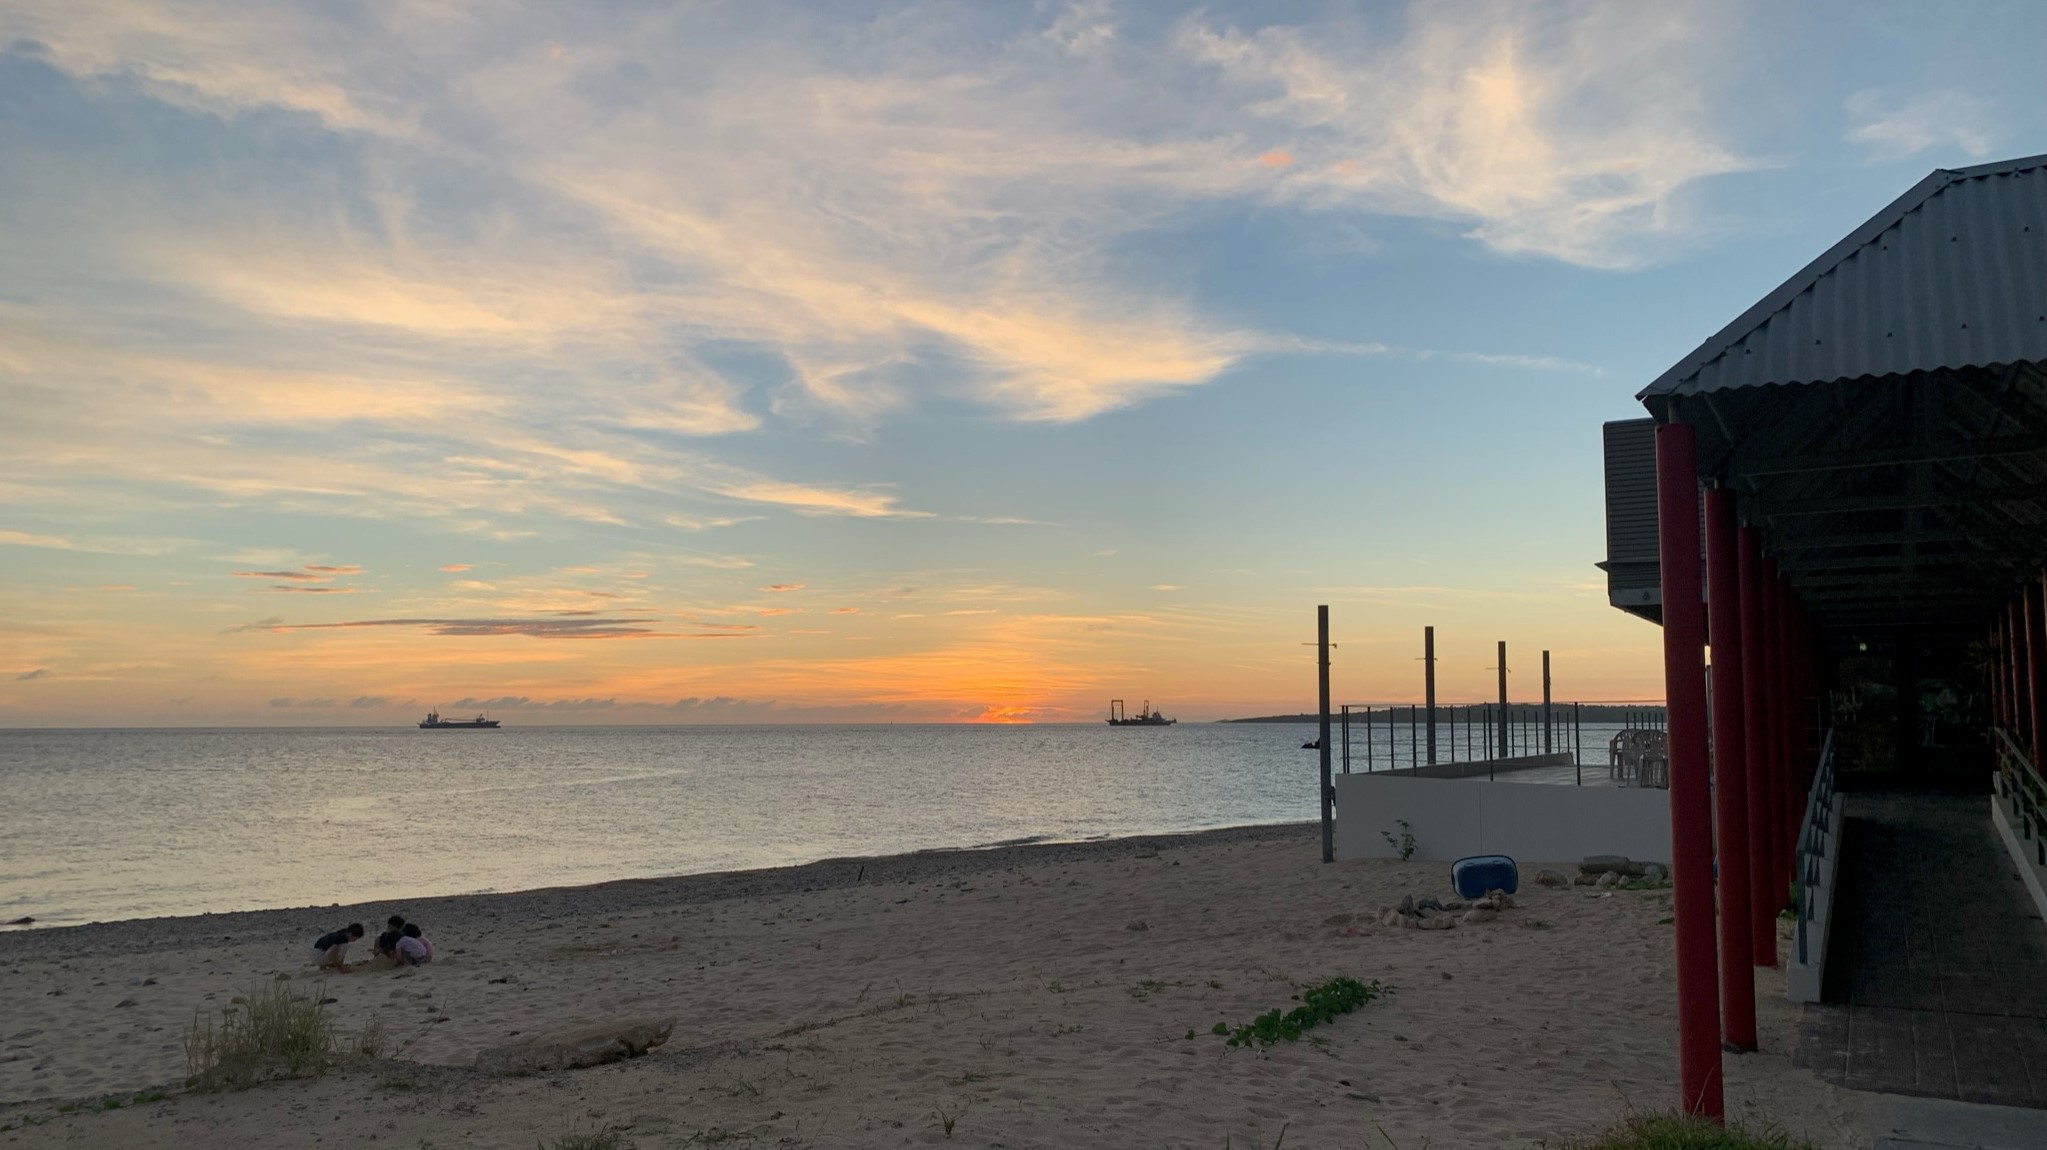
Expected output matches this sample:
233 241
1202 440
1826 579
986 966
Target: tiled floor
1937 981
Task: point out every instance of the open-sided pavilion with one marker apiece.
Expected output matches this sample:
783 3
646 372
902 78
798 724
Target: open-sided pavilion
1843 495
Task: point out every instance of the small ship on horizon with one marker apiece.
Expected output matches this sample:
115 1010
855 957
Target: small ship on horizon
434 722
1146 717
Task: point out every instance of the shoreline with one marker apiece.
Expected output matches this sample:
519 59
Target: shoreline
543 904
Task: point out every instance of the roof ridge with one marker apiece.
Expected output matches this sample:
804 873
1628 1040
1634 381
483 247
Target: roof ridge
1717 345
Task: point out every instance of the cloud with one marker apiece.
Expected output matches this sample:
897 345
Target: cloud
845 610
1563 131
314 703
347 569
525 703
455 568
783 587
1166 587
115 587
302 575
374 702
30 676
302 589
691 523
24 539
551 628
1900 128
806 499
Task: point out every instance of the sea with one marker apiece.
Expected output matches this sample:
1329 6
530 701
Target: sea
107 825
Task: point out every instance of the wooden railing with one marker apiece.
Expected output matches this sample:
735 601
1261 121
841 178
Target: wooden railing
1815 842
2020 786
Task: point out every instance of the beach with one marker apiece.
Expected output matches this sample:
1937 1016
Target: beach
1038 995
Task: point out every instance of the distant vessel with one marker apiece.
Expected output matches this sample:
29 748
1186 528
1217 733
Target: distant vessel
1146 717
434 722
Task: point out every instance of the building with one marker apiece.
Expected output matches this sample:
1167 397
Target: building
1843 493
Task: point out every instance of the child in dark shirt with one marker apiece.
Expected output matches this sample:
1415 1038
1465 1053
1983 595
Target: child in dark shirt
387 942
330 950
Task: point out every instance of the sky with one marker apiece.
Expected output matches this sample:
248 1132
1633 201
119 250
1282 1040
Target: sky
866 361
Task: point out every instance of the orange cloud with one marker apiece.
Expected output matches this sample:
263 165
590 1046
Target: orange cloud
455 568
345 569
1276 158
845 610
783 587
299 575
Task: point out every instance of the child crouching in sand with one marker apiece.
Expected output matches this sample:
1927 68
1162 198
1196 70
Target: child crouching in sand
330 950
413 948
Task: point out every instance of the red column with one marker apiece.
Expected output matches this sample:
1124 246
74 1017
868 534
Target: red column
2035 719
1756 748
1792 779
1691 803
1773 689
2035 700
2021 675
1730 778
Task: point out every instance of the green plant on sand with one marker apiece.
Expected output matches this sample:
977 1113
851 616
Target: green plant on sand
268 1033
1404 845
1684 1132
1319 1004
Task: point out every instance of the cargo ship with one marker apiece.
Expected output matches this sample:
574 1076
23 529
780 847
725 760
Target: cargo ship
1145 717
434 722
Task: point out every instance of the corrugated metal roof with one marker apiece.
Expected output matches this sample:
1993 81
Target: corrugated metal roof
1952 274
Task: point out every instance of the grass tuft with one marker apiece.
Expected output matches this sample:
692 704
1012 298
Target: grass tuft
268 1033
1684 1132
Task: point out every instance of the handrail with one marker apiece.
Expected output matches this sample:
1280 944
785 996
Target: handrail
1812 839
2020 784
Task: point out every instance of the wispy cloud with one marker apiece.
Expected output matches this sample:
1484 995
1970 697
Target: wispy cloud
783 587
291 702
30 676
1894 127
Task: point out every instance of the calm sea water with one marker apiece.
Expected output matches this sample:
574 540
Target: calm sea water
106 825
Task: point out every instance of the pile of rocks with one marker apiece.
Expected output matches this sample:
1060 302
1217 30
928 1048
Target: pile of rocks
1429 913
1611 871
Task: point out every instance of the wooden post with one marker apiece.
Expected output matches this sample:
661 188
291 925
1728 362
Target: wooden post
1345 742
1429 686
1328 788
1578 741
1691 803
1756 753
1503 751
1730 773
1547 748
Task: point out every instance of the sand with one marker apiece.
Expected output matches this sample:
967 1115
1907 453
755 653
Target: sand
1027 996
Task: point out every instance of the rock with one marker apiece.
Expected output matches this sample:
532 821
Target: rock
124 1002
1407 905
1455 904
1136 924
1583 879
1655 872
1436 922
1611 878
1600 864
1550 878
24 920
1479 914
573 1049
1390 917
1500 899
1428 904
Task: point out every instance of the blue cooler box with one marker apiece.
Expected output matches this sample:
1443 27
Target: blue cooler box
1480 873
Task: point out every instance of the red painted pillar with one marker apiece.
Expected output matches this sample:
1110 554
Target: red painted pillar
1691 803
2036 665
1730 777
1773 689
1756 748
1793 776
2015 621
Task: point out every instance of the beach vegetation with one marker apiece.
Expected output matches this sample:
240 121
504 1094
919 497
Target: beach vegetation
1404 845
1318 1004
1686 1132
947 1119
268 1033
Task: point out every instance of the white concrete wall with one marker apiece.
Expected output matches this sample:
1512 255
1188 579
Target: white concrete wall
1532 822
2021 855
